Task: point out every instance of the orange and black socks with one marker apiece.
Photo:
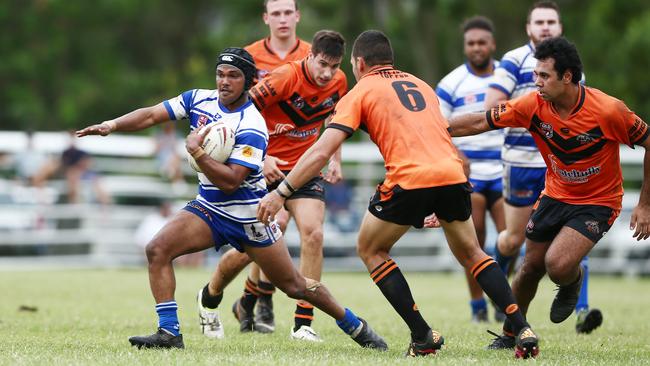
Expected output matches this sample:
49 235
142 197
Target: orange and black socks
493 282
388 277
304 315
250 296
265 289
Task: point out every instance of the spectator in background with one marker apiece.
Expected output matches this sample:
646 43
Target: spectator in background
82 183
29 162
338 197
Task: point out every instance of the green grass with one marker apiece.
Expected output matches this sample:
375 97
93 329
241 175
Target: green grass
85 317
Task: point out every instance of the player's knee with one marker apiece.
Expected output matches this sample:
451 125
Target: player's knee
559 271
532 269
296 290
282 222
156 251
314 238
510 243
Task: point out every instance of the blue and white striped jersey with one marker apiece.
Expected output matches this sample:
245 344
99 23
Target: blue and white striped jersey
461 92
202 107
514 77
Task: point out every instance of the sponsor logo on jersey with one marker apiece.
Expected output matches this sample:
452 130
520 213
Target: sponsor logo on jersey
573 175
297 134
584 139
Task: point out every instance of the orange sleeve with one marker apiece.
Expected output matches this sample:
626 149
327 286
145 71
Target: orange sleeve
274 87
625 126
347 114
513 113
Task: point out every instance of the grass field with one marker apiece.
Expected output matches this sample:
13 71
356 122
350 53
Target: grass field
85 317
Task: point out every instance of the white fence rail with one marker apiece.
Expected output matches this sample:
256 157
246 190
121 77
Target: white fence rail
103 236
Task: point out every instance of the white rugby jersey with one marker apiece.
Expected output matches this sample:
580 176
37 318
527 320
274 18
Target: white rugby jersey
514 77
202 107
460 92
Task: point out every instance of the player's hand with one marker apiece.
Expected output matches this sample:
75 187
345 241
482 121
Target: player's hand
269 207
194 140
431 221
640 222
271 171
334 172
102 129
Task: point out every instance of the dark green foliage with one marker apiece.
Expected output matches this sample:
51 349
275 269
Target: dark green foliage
66 64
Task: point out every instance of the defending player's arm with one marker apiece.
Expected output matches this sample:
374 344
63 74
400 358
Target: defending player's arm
136 120
640 220
227 177
469 124
334 171
309 165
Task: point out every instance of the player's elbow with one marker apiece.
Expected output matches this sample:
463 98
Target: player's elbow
229 188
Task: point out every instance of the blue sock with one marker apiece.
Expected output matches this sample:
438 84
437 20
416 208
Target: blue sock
477 305
583 299
349 323
167 317
502 260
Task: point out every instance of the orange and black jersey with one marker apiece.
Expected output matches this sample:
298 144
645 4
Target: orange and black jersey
401 113
295 108
266 60
582 151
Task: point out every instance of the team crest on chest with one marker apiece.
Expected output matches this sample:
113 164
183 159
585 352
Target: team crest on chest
547 129
298 102
202 121
470 99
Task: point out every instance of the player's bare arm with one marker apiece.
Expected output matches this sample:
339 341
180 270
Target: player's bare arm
334 171
494 97
468 124
309 165
136 120
228 177
640 220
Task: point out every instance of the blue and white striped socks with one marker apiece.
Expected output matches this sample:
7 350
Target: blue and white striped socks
168 318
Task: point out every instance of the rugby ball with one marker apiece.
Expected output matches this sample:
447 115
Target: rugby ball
217 144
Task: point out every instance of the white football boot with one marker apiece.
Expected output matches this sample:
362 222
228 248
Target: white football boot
211 325
305 333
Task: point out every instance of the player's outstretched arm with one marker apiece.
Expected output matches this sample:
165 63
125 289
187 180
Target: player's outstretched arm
640 220
309 165
137 120
469 124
